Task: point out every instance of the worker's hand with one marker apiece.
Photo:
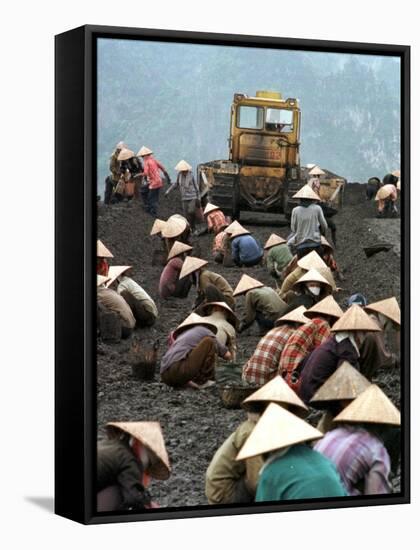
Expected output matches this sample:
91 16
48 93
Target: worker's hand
227 356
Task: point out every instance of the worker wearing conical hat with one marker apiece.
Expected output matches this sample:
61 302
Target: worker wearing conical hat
176 228
292 469
151 170
102 253
338 391
311 288
314 180
294 272
229 480
115 169
307 223
211 287
133 454
263 365
246 250
262 304
189 190
344 345
221 315
372 187
190 360
386 196
221 250
374 353
357 446
109 300
216 220
141 304
170 285
278 255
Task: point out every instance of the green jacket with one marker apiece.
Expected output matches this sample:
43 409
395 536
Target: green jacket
266 301
117 465
300 473
278 257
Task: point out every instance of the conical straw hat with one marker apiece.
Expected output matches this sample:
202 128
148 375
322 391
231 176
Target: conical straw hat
316 171
174 227
210 208
325 243
183 166
277 391
115 271
311 261
192 320
144 151
274 240
150 435
178 248
277 428
238 232
345 383
246 283
125 154
327 306
399 185
384 191
371 406
328 274
233 227
294 316
157 227
312 276
100 280
396 173
389 308
102 251
121 145
190 265
310 165
355 319
204 310
306 192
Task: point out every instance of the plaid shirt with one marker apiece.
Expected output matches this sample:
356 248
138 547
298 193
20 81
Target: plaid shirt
304 340
263 365
219 243
215 220
360 458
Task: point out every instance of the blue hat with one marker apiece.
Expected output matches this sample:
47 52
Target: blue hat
358 299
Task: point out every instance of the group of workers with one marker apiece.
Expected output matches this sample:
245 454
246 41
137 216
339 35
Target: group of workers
385 193
311 355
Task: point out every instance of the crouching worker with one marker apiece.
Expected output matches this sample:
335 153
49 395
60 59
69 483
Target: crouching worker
262 304
102 253
216 220
170 284
211 287
141 304
246 251
221 246
109 300
229 481
190 360
220 314
357 446
292 469
134 453
278 256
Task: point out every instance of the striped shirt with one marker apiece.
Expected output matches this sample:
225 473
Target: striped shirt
360 458
264 363
303 341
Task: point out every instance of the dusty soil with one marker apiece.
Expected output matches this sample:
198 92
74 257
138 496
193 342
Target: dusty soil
195 423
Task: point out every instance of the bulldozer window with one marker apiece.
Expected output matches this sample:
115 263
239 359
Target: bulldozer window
250 117
279 120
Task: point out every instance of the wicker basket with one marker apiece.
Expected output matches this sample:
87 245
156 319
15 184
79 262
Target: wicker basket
232 396
143 361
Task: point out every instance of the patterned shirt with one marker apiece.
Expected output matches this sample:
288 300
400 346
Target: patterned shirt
215 220
361 460
304 340
264 363
219 243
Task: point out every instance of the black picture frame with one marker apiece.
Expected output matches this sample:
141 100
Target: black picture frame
75 290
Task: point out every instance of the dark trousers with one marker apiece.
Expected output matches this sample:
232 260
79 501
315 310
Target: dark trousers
143 314
109 186
198 366
264 323
302 251
152 202
109 499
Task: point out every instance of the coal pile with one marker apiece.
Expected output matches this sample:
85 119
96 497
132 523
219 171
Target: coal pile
194 423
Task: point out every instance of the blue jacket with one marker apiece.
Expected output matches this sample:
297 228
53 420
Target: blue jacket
245 249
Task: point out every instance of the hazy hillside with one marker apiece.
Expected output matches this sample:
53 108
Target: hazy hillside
176 98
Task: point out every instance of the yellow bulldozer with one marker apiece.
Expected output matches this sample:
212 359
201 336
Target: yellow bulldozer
263 171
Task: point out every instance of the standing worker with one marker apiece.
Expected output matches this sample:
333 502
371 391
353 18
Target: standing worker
190 192
307 223
151 170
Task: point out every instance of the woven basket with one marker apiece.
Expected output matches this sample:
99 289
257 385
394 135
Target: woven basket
143 361
232 396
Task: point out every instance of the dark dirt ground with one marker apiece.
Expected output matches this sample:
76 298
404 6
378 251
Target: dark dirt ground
195 423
